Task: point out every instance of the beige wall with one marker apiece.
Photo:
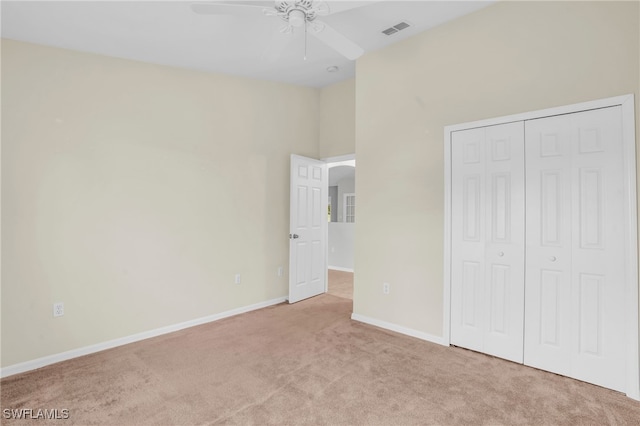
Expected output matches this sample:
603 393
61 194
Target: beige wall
508 58
133 193
337 119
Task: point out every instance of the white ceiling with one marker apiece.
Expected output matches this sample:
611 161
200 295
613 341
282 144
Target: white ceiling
170 33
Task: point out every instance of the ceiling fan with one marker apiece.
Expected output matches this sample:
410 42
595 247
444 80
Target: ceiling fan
296 14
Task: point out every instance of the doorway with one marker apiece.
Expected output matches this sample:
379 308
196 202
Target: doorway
341 217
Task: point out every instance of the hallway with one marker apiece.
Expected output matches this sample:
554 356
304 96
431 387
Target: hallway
341 284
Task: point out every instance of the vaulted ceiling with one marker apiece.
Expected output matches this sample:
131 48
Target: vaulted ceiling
251 45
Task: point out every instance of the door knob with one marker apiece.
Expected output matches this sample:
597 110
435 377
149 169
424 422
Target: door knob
294 236
552 258
500 253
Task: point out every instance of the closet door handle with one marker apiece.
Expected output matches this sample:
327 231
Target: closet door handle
500 253
552 258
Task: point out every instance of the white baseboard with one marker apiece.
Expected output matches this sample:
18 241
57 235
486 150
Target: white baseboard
74 353
340 268
399 329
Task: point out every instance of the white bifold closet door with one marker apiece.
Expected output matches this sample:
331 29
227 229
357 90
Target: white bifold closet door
575 258
487 273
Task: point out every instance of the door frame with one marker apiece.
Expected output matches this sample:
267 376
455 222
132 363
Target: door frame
341 160
626 102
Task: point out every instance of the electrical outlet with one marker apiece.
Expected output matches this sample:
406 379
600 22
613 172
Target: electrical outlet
386 287
58 309
280 270
237 279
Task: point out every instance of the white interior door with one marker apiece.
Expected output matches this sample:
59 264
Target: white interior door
548 263
308 227
576 247
487 271
468 238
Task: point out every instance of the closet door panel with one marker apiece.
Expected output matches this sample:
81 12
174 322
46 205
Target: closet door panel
574 252
548 331
468 238
598 248
504 248
487 290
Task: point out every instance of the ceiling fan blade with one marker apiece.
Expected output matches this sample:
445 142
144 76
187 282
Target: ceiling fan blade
228 9
338 42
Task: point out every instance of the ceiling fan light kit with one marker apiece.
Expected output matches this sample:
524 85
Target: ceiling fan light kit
297 14
296 18
306 10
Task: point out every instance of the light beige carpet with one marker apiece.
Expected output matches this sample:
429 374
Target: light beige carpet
306 363
341 284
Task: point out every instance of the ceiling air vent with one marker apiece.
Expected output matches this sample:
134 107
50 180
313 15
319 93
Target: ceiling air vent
398 27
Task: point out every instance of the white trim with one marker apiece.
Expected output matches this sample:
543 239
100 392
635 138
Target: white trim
340 268
631 219
399 329
630 175
74 353
446 307
549 112
348 159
